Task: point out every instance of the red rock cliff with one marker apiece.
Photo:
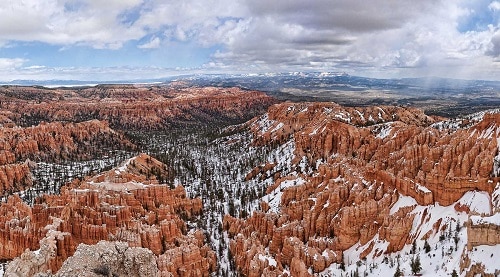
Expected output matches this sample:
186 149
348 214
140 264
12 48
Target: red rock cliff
119 205
357 162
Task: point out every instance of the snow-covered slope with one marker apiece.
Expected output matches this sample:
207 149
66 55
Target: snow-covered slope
359 188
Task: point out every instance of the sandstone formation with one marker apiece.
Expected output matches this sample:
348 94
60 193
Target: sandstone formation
102 259
57 142
130 107
52 142
125 204
483 230
349 167
401 149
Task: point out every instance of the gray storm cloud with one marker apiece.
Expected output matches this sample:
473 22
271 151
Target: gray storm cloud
390 37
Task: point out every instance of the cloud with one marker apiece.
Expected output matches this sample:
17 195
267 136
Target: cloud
495 49
403 37
8 64
66 22
494 6
320 35
362 37
155 42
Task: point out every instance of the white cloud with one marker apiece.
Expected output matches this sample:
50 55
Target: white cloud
396 37
67 22
400 38
8 64
155 42
495 6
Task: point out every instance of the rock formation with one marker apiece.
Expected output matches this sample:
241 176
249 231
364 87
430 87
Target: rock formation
130 107
102 259
125 204
483 230
52 142
349 168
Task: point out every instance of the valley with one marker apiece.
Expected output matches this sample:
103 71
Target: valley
251 185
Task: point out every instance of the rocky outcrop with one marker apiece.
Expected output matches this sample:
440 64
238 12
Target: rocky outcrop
130 107
115 258
101 259
191 258
395 145
120 205
349 168
14 177
52 142
57 142
483 230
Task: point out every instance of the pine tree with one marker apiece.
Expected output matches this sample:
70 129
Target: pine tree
414 247
398 271
454 273
415 265
356 273
342 263
427 247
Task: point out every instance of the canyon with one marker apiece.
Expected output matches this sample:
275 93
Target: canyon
131 107
119 206
235 182
348 169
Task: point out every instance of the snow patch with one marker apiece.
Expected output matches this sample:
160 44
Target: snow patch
494 219
265 123
476 201
496 159
495 198
361 115
343 117
279 126
274 198
403 201
124 166
486 255
271 260
488 133
421 188
384 132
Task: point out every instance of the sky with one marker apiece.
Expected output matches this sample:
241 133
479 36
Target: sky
137 39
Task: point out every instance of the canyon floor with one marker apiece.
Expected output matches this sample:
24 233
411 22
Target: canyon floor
179 180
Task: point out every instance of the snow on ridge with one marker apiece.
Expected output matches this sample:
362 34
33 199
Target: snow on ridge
444 254
343 117
124 166
422 188
403 201
457 123
480 115
451 124
277 127
493 219
488 133
496 160
274 197
476 200
265 123
361 115
271 260
384 131
495 198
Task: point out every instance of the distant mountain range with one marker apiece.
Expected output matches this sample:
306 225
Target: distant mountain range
440 96
278 81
